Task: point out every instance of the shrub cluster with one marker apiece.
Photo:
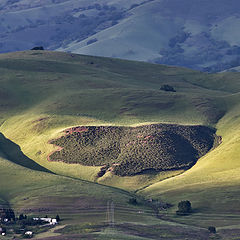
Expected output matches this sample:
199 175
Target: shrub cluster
184 208
7 213
133 150
167 88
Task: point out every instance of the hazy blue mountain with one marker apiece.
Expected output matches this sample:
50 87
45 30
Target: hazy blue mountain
55 23
200 34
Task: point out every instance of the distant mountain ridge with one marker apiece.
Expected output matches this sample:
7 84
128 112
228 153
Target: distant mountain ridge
199 34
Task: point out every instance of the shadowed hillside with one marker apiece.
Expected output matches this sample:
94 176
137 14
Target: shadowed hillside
12 151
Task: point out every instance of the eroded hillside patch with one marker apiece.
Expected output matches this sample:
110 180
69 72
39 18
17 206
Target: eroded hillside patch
128 151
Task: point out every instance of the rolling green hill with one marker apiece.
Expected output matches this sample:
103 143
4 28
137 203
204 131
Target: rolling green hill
44 93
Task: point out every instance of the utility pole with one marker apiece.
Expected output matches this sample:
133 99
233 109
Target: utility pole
110 213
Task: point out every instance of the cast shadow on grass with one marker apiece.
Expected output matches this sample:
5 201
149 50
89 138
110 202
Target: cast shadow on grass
14 154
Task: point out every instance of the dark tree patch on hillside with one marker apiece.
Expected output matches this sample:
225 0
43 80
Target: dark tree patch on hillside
167 88
91 41
184 208
132 150
7 213
38 48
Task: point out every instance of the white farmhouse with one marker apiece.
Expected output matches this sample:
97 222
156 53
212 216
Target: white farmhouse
54 221
28 233
51 221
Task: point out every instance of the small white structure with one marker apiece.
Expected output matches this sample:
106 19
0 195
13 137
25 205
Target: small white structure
2 232
46 219
5 219
51 221
54 221
28 233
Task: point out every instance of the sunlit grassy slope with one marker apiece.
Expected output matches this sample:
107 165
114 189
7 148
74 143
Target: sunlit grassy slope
212 185
42 93
35 192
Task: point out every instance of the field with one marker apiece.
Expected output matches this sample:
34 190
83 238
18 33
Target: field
44 93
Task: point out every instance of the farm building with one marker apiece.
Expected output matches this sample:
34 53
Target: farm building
51 221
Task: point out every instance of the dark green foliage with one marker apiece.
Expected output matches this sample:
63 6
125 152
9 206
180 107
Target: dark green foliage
167 88
38 48
7 213
3 230
58 218
212 229
133 201
21 217
134 150
184 207
103 170
31 222
92 41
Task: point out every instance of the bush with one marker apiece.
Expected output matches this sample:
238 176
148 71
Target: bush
21 217
58 218
7 213
91 41
133 201
38 48
184 207
212 229
167 88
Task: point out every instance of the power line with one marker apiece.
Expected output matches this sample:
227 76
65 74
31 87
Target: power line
110 213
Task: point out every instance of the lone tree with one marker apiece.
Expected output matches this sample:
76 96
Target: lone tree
167 88
21 217
184 208
212 229
133 201
38 48
58 218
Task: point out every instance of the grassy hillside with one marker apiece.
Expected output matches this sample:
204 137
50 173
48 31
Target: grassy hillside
44 93
82 207
215 175
79 203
